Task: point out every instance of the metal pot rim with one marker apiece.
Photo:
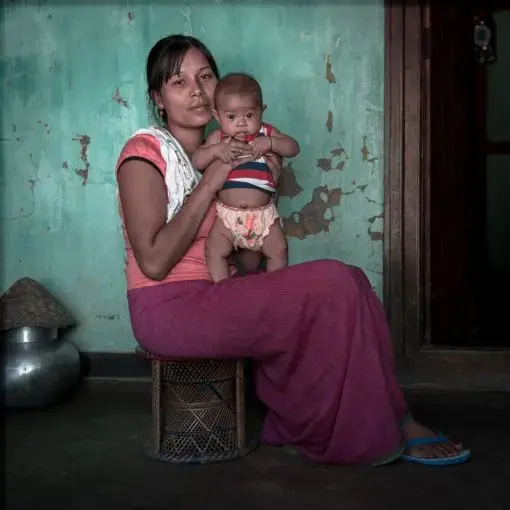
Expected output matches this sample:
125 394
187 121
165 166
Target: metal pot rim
29 334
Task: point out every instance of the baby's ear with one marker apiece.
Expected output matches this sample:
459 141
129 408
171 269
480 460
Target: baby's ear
215 114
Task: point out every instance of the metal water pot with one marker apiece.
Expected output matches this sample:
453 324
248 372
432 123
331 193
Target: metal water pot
39 367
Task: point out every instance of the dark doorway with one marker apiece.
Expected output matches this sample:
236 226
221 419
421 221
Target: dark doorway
447 314
467 130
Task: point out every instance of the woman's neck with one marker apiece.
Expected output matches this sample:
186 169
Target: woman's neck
190 139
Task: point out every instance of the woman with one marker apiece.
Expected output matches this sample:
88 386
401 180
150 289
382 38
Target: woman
316 331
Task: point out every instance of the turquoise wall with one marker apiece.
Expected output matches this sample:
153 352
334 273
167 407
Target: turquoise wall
72 91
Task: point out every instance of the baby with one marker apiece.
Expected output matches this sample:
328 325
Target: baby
247 217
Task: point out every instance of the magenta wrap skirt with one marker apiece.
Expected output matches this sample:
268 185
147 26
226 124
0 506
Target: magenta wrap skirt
321 349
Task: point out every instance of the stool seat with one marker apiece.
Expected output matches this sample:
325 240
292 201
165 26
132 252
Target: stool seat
198 410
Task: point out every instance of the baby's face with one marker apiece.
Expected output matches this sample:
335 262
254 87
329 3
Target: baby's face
239 116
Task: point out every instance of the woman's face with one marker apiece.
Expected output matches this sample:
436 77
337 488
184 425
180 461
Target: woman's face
188 97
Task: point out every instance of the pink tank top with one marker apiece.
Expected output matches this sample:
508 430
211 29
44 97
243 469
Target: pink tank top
192 266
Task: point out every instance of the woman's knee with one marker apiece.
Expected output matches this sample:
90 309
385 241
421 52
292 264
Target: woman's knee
331 275
329 269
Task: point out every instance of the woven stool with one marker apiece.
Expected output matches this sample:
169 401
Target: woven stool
198 412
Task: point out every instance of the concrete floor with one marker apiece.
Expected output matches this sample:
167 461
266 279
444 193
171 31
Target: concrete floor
87 453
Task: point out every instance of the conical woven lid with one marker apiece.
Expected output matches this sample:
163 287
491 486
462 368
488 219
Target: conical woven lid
28 303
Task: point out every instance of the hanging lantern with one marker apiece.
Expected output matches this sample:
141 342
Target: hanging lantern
484 39
39 367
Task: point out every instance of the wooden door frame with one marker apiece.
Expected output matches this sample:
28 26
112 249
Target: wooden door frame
406 198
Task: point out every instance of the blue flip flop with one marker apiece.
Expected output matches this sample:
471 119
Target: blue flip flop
461 457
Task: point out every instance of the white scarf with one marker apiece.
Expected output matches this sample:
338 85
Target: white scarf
180 176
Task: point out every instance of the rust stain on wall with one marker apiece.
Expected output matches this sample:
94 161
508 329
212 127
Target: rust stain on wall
289 186
336 161
329 122
84 144
311 218
365 152
329 73
374 235
119 99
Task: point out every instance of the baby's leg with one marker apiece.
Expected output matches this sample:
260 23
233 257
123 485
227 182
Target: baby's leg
275 248
218 247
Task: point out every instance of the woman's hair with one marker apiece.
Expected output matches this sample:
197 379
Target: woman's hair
165 59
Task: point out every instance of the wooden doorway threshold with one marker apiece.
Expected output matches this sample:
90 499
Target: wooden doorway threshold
456 370
406 247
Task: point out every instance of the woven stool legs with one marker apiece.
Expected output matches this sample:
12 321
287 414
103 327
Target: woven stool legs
198 411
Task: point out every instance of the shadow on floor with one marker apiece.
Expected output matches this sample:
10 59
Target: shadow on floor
87 454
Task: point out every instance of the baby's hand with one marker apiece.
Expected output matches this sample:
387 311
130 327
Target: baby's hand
225 153
260 146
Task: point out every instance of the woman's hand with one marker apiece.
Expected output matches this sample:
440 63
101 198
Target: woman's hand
216 174
241 149
274 162
224 153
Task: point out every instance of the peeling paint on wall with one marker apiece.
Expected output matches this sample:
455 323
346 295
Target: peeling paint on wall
365 153
329 73
111 317
84 141
289 186
315 216
336 161
119 99
329 122
374 234
45 125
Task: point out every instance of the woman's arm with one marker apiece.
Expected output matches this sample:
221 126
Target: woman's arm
158 245
207 152
274 162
